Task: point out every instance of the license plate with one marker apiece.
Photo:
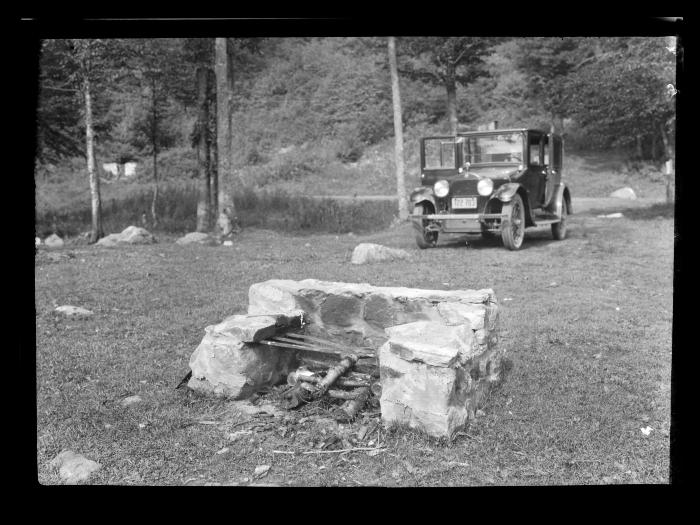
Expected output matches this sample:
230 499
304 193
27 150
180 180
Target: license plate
464 202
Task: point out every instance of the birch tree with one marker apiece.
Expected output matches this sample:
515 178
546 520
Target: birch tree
398 130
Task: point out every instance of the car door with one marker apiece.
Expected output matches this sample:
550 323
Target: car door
537 171
553 166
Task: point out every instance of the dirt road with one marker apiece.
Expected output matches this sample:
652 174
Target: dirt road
580 205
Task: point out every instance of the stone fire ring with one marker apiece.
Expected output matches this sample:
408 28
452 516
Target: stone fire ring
437 350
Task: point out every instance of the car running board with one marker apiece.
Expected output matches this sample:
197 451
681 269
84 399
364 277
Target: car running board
546 219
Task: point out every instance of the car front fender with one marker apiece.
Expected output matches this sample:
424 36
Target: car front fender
505 192
422 195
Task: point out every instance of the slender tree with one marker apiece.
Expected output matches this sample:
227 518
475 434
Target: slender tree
398 130
95 197
224 114
203 153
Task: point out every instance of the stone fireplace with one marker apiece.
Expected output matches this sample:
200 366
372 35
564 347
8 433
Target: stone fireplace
437 350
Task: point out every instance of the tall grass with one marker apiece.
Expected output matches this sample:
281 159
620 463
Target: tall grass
177 211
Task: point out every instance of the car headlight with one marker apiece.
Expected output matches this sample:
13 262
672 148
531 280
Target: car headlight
484 187
441 188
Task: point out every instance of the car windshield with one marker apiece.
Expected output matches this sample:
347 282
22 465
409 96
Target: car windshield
439 153
505 147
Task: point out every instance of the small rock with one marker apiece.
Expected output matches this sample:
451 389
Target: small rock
617 215
131 400
53 241
223 450
646 431
261 470
228 243
136 235
74 468
624 193
37 241
369 252
73 311
109 241
198 238
233 436
130 235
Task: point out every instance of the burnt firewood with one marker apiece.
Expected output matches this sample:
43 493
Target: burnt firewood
184 380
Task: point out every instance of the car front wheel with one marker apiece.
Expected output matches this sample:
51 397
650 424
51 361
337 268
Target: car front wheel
513 226
559 228
424 238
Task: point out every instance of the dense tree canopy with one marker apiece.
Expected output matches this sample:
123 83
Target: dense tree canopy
335 92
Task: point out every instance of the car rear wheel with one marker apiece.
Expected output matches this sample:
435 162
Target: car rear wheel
424 239
513 226
559 228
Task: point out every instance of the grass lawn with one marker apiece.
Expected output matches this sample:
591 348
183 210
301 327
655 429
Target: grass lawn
586 323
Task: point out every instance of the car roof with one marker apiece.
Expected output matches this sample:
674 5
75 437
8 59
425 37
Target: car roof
488 132
502 130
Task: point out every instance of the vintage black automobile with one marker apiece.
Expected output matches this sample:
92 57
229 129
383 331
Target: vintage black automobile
490 182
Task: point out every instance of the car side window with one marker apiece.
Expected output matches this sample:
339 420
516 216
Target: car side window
535 151
546 151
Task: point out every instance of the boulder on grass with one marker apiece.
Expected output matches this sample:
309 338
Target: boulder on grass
197 238
74 468
130 235
369 252
136 235
53 241
624 193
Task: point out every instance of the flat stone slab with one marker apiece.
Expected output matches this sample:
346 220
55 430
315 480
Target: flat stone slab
254 328
73 311
432 343
363 311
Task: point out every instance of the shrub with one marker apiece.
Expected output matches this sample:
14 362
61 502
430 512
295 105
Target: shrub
177 212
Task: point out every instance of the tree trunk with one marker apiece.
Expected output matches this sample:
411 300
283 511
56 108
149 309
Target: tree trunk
451 88
638 144
224 114
97 231
214 167
668 169
154 146
398 132
204 204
